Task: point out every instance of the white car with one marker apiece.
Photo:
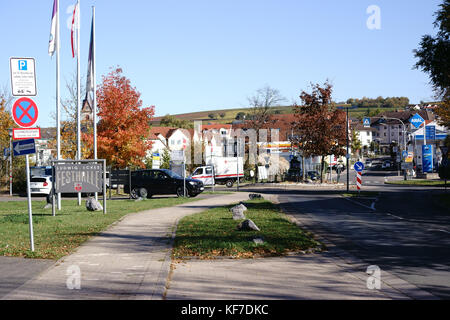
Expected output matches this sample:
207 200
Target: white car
41 185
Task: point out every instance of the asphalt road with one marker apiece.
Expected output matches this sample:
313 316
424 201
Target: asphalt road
408 233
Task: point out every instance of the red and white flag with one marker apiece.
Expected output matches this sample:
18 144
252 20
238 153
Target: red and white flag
74 30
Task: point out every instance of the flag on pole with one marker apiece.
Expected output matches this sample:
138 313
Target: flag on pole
90 81
52 42
74 30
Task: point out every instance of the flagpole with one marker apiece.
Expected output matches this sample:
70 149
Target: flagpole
78 91
58 98
94 107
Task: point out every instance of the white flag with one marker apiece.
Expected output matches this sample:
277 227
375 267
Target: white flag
52 42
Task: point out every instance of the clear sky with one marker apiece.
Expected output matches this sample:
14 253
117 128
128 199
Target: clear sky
186 56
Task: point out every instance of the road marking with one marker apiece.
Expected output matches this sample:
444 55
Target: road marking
358 203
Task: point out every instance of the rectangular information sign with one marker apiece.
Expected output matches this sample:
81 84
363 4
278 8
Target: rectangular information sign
73 178
26 133
23 77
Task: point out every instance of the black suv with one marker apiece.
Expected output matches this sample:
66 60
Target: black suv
146 183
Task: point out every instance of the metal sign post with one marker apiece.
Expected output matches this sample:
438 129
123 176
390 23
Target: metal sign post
24 148
30 213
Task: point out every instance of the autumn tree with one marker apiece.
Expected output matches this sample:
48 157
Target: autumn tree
124 125
433 55
320 127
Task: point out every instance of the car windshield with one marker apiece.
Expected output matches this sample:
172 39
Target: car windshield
172 174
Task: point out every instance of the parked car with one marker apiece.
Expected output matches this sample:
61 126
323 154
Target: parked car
41 185
368 163
313 175
146 183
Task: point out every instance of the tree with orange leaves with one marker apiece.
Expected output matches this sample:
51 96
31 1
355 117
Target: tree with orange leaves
321 129
124 126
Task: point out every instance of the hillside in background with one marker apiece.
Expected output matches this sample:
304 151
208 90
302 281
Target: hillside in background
230 114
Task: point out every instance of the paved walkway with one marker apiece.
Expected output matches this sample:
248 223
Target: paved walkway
131 260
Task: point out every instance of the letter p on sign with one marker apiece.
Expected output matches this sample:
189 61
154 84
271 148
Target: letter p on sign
23 65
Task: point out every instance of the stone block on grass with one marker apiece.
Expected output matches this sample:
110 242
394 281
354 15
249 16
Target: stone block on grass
247 225
238 213
93 205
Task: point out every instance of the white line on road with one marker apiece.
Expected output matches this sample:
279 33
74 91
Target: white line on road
440 230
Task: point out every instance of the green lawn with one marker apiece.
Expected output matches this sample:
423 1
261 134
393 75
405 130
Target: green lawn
55 237
420 182
213 233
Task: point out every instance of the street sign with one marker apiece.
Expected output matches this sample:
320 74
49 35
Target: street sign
427 158
359 166
25 112
23 77
74 178
26 133
177 155
410 157
404 154
6 153
24 147
416 120
366 122
156 161
430 132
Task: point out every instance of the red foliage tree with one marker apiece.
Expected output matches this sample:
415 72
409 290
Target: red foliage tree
320 128
123 126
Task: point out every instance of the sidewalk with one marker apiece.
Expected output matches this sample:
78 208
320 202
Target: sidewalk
131 260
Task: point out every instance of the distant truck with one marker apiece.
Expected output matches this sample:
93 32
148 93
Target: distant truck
220 170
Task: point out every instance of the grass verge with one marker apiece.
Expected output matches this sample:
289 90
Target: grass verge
420 182
55 237
213 233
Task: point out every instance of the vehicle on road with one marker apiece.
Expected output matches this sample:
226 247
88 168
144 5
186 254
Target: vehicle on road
368 163
387 164
146 183
41 185
220 170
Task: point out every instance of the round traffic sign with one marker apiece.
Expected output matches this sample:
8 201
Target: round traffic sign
25 112
359 166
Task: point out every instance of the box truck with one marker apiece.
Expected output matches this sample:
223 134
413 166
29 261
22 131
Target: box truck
220 170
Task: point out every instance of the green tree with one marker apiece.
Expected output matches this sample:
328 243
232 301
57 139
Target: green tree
165 163
356 143
433 55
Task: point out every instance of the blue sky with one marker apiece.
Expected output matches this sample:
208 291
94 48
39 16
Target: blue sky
186 56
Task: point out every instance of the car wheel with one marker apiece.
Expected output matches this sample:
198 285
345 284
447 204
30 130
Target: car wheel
229 183
143 193
134 193
180 192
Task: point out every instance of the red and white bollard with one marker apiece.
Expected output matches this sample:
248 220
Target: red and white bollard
358 180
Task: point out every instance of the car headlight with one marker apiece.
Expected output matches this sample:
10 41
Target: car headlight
192 183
